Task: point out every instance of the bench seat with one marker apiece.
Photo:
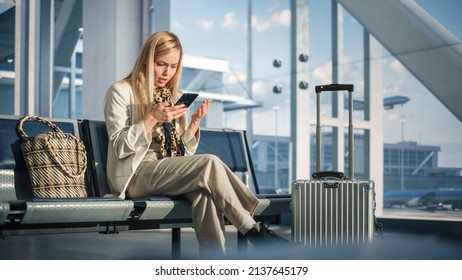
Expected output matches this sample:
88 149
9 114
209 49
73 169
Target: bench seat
5 184
163 207
63 210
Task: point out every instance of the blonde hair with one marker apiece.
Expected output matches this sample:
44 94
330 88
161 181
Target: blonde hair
142 77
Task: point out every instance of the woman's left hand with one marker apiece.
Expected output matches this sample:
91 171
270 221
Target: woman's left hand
197 116
201 111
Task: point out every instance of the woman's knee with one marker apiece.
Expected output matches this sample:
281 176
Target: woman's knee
210 159
213 164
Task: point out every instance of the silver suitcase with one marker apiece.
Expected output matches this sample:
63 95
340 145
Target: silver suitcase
331 209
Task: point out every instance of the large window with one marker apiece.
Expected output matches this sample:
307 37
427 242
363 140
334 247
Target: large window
66 81
422 148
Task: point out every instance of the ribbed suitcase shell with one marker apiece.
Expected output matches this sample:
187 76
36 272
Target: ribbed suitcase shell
324 215
326 211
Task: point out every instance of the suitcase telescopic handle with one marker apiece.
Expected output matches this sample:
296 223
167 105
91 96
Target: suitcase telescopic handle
328 174
335 87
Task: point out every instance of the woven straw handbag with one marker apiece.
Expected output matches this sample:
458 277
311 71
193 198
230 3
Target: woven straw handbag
56 161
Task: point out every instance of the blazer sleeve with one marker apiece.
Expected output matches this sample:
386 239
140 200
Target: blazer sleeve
125 136
190 142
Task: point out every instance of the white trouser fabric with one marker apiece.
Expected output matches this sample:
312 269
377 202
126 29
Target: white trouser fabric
213 189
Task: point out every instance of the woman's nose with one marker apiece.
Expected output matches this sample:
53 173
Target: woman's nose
166 71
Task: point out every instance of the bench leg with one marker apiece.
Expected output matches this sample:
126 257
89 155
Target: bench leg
111 228
176 243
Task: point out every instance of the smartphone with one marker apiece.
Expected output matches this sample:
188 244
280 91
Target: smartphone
187 99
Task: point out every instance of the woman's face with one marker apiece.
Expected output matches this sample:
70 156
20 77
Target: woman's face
165 67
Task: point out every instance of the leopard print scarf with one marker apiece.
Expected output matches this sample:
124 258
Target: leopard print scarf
171 143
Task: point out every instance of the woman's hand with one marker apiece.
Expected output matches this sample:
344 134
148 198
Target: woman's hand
163 112
201 111
197 116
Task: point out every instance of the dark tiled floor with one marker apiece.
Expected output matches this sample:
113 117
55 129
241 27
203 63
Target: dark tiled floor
156 244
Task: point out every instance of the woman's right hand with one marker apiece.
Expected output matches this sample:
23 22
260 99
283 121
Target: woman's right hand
163 112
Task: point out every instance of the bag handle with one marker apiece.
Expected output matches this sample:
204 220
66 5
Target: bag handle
80 149
20 126
60 134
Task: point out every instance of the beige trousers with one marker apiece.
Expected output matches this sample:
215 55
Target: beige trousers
213 189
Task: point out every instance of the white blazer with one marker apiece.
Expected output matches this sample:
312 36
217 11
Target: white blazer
128 141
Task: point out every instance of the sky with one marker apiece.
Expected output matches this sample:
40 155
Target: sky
217 29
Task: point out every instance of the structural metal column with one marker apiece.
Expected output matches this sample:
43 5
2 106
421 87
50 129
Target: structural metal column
33 57
112 38
299 98
338 130
373 106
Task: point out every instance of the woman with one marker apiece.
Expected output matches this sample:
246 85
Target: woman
151 148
